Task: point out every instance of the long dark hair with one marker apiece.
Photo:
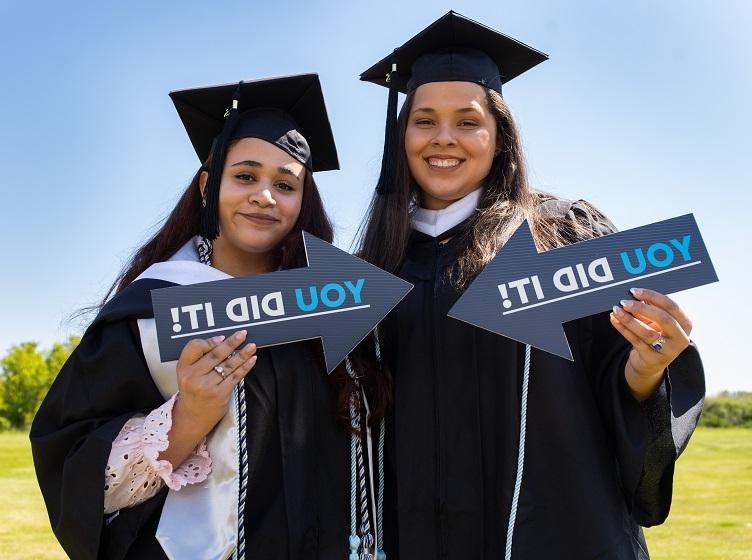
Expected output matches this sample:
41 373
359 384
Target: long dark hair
505 202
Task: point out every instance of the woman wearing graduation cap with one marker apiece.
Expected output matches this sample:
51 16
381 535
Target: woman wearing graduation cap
495 450
256 465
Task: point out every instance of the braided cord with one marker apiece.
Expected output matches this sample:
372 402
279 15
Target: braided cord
380 501
243 468
204 249
380 554
520 456
382 432
363 538
355 462
366 536
377 344
353 472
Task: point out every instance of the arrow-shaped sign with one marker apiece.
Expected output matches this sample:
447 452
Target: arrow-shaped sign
338 297
526 295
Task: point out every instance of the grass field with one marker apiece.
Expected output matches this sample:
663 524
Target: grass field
711 518
711 514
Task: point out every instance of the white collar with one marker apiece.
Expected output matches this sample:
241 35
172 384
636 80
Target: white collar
436 222
183 268
187 252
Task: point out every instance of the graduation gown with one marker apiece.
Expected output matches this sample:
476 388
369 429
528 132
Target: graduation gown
598 463
298 484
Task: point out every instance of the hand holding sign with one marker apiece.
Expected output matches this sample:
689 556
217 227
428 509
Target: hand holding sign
207 372
536 293
338 297
658 330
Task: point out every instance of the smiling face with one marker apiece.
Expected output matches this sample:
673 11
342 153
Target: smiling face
450 141
260 197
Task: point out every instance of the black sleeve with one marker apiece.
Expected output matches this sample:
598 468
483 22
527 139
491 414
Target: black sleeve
648 436
672 413
103 384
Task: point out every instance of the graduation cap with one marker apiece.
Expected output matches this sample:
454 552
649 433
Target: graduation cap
288 112
453 48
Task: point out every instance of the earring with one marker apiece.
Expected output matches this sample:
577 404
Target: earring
203 200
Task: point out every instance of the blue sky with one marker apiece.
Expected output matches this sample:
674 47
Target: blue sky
643 109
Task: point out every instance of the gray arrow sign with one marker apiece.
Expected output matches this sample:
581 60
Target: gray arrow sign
338 297
526 295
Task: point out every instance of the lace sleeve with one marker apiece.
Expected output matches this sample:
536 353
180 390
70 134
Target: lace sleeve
134 473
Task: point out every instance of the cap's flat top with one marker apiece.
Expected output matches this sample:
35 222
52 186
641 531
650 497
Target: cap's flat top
202 111
454 30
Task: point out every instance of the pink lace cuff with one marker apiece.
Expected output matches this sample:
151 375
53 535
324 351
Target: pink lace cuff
134 473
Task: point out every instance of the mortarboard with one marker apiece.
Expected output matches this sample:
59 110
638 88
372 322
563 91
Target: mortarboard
288 112
453 48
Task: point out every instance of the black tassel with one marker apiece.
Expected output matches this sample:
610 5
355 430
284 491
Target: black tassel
386 183
209 227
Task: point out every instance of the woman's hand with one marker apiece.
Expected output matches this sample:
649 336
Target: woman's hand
658 330
208 371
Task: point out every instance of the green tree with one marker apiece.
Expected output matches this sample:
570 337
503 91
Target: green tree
728 409
4 422
25 376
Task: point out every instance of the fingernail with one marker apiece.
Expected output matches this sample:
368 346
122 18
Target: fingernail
616 309
218 339
626 303
636 292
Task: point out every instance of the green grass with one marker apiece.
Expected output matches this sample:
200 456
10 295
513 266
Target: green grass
711 517
711 514
24 526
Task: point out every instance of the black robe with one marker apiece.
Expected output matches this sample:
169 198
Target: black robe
598 463
298 487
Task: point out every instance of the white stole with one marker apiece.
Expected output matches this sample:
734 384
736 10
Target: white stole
200 520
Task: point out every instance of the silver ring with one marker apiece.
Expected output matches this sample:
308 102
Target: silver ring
658 344
220 370
231 354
